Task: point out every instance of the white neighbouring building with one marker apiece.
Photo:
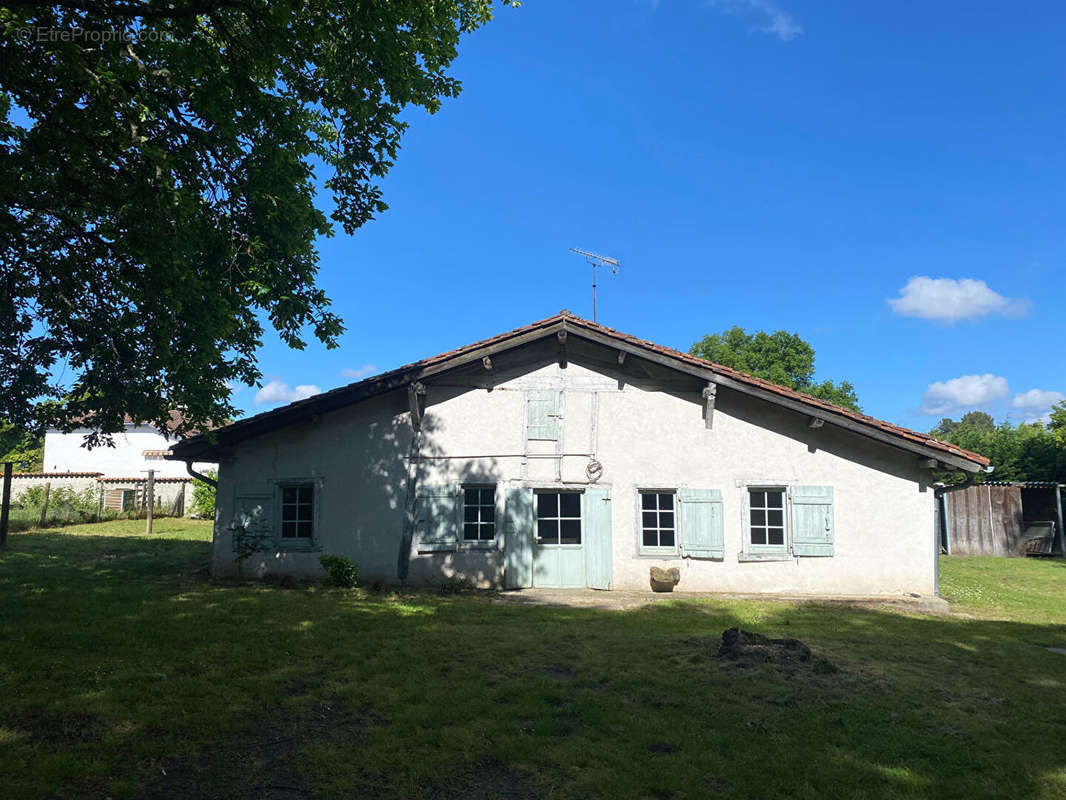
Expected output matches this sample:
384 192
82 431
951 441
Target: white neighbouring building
567 454
137 449
119 474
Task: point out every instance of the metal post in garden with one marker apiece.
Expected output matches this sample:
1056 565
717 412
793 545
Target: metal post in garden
149 501
5 503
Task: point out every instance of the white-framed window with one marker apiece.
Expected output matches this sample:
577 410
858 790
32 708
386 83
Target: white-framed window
297 513
479 514
558 518
767 527
658 521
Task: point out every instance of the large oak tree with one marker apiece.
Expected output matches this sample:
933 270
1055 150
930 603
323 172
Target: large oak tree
786 359
158 168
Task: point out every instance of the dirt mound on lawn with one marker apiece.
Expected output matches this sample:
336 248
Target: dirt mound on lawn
745 646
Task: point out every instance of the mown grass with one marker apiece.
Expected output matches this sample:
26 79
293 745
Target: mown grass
126 672
1022 589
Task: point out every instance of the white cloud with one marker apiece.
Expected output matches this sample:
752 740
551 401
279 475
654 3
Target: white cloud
359 373
276 392
1037 403
949 300
769 18
1038 398
965 392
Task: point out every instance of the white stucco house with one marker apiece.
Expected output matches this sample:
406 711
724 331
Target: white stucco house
567 454
137 449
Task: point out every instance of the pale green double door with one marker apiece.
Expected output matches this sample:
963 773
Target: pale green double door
558 539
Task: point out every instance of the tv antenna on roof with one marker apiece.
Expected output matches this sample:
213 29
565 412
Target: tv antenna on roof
597 261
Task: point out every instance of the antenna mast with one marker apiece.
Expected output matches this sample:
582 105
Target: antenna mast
597 261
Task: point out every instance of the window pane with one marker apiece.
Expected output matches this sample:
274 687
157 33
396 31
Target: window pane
548 531
571 533
666 519
304 513
775 517
305 494
470 496
758 499
776 536
470 513
303 530
470 531
650 539
775 499
758 535
488 531
666 538
666 502
647 500
570 505
758 517
288 494
649 519
488 497
288 530
547 505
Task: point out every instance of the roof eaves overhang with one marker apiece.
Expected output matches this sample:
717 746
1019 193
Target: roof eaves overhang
202 448
799 406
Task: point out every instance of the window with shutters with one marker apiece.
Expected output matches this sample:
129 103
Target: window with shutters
658 521
297 513
766 520
479 514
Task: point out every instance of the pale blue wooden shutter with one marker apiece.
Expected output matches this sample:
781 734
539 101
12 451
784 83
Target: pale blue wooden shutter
812 520
542 414
598 553
437 518
518 539
702 523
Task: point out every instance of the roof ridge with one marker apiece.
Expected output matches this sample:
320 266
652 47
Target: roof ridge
566 317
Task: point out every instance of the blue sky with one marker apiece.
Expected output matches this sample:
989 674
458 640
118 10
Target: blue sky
776 165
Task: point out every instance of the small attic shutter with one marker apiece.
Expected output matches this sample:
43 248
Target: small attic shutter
437 518
702 528
542 414
812 520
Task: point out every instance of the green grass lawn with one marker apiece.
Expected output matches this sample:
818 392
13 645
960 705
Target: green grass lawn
126 672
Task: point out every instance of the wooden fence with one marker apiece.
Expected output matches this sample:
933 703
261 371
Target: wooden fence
986 521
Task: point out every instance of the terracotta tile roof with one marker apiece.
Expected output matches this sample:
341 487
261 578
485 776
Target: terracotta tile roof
814 402
56 474
576 323
176 418
144 479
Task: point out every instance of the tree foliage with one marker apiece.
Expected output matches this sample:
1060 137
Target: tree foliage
1026 452
203 496
24 448
159 172
781 357
1057 424
976 420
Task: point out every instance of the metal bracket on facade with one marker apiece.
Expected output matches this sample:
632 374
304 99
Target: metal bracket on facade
709 393
414 392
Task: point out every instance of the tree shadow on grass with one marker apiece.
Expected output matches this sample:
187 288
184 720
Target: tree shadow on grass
128 672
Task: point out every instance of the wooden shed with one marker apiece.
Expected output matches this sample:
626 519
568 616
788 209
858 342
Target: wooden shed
998 518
